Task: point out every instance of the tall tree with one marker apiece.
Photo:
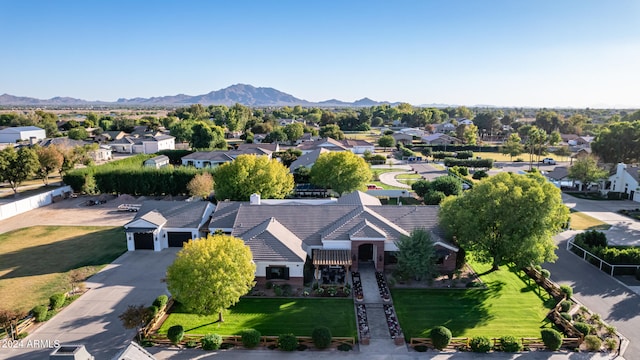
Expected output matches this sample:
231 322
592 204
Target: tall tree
206 136
78 133
507 218
333 131
201 185
618 142
249 174
294 131
211 274
17 166
416 255
470 134
277 135
386 141
586 171
513 146
340 171
50 159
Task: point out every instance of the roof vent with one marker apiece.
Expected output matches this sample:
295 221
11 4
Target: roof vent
254 199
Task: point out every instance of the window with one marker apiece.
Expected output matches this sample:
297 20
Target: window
277 272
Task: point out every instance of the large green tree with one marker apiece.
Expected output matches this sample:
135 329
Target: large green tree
587 171
340 171
513 146
294 131
207 136
416 255
618 142
248 174
507 218
211 274
333 131
50 159
17 166
386 141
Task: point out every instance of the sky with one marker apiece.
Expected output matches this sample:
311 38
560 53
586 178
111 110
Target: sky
543 53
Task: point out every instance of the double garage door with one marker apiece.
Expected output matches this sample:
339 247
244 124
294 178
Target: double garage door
144 241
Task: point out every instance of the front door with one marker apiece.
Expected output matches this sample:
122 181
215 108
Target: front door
365 252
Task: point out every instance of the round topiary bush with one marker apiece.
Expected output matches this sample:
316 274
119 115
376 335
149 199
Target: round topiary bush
545 273
584 328
566 316
440 337
211 342
593 342
250 338
567 291
480 344
57 300
510 344
551 338
40 313
287 342
161 301
565 305
321 336
175 334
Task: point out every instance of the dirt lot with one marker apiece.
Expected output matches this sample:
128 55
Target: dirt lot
74 212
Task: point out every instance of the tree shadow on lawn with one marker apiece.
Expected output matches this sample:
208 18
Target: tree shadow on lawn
62 256
531 286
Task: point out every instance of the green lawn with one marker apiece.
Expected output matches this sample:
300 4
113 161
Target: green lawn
509 306
582 221
35 261
272 317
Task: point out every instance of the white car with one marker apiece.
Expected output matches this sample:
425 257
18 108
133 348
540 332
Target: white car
548 161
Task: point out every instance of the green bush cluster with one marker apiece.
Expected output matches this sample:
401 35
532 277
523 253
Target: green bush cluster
472 163
480 344
443 155
40 313
175 334
565 315
551 338
287 342
565 305
480 174
250 338
567 290
510 344
56 301
591 239
322 337
459 170
211 342
161 301
593 342
584 328
440 337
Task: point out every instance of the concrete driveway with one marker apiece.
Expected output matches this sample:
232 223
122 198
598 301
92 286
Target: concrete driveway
134 278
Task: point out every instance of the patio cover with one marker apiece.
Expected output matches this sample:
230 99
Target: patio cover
331 257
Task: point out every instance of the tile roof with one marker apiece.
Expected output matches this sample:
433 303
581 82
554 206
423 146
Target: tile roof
154 217
176 214
270 241
225 215
358 198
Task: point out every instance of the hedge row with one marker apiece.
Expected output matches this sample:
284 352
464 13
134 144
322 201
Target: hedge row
434 148
596 243
473 163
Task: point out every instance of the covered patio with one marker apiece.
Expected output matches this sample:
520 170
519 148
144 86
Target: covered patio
331 266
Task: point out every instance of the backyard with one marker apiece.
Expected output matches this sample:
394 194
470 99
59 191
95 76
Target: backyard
271 316
35 261
508 306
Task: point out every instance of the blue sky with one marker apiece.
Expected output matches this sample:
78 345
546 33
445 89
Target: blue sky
579 53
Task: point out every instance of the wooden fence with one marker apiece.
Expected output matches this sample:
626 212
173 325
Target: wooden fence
462 343
155 322
265 341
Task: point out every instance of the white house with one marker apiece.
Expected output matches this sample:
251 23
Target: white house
626 180
157 162
144 145
21 133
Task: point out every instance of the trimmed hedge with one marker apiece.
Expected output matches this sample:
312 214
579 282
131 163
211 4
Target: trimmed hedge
321 336
56 301
474 163
480 344
161 301
551 338
250 338
510 344
287 342
440 337
175 334
211 342
40 313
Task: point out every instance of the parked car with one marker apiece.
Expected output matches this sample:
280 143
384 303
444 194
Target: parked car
373 187
548 161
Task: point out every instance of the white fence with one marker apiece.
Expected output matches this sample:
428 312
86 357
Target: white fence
20 206
586 255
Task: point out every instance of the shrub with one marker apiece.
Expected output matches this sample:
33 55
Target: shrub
40 313
538 268
480 174
287 342
211 342
480 344
551 338
434 197
466 154
277 290
565 305
566 316
567 291
510 344
161 301
153 311
545 273
250 338
593 342
175 334
611 344
584 328
321 336
344 347
440 337
592 239
463 171
56 301
191 344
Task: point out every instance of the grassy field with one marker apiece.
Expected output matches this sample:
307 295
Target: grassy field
582 221
509 306
272 317
35 261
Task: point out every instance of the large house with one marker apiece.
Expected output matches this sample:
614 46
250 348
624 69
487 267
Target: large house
144 144
355 146
440 139
626 180
203 159
283 234
22 133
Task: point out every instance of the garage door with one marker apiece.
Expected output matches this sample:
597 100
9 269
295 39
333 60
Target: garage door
176 239
143 241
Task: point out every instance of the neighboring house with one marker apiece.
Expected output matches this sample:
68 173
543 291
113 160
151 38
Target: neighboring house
110 136
402 138
162 224
203 159
144 145
22 133
440 139
355 146
582 153
307 160
306 137
62 143
625 180
465 121
157 162
275 147
444 127
415 132
102 153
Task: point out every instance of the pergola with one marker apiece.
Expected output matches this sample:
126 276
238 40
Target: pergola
322 257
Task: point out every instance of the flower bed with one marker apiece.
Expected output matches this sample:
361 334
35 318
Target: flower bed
363 324
392 321
382 286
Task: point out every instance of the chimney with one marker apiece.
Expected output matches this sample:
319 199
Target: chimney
254 199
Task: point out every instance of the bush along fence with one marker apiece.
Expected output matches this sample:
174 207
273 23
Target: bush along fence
158 311
268 342
615 260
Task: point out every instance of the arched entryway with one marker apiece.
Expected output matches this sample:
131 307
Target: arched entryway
365 253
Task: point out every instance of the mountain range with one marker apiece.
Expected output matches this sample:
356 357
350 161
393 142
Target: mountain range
240 93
